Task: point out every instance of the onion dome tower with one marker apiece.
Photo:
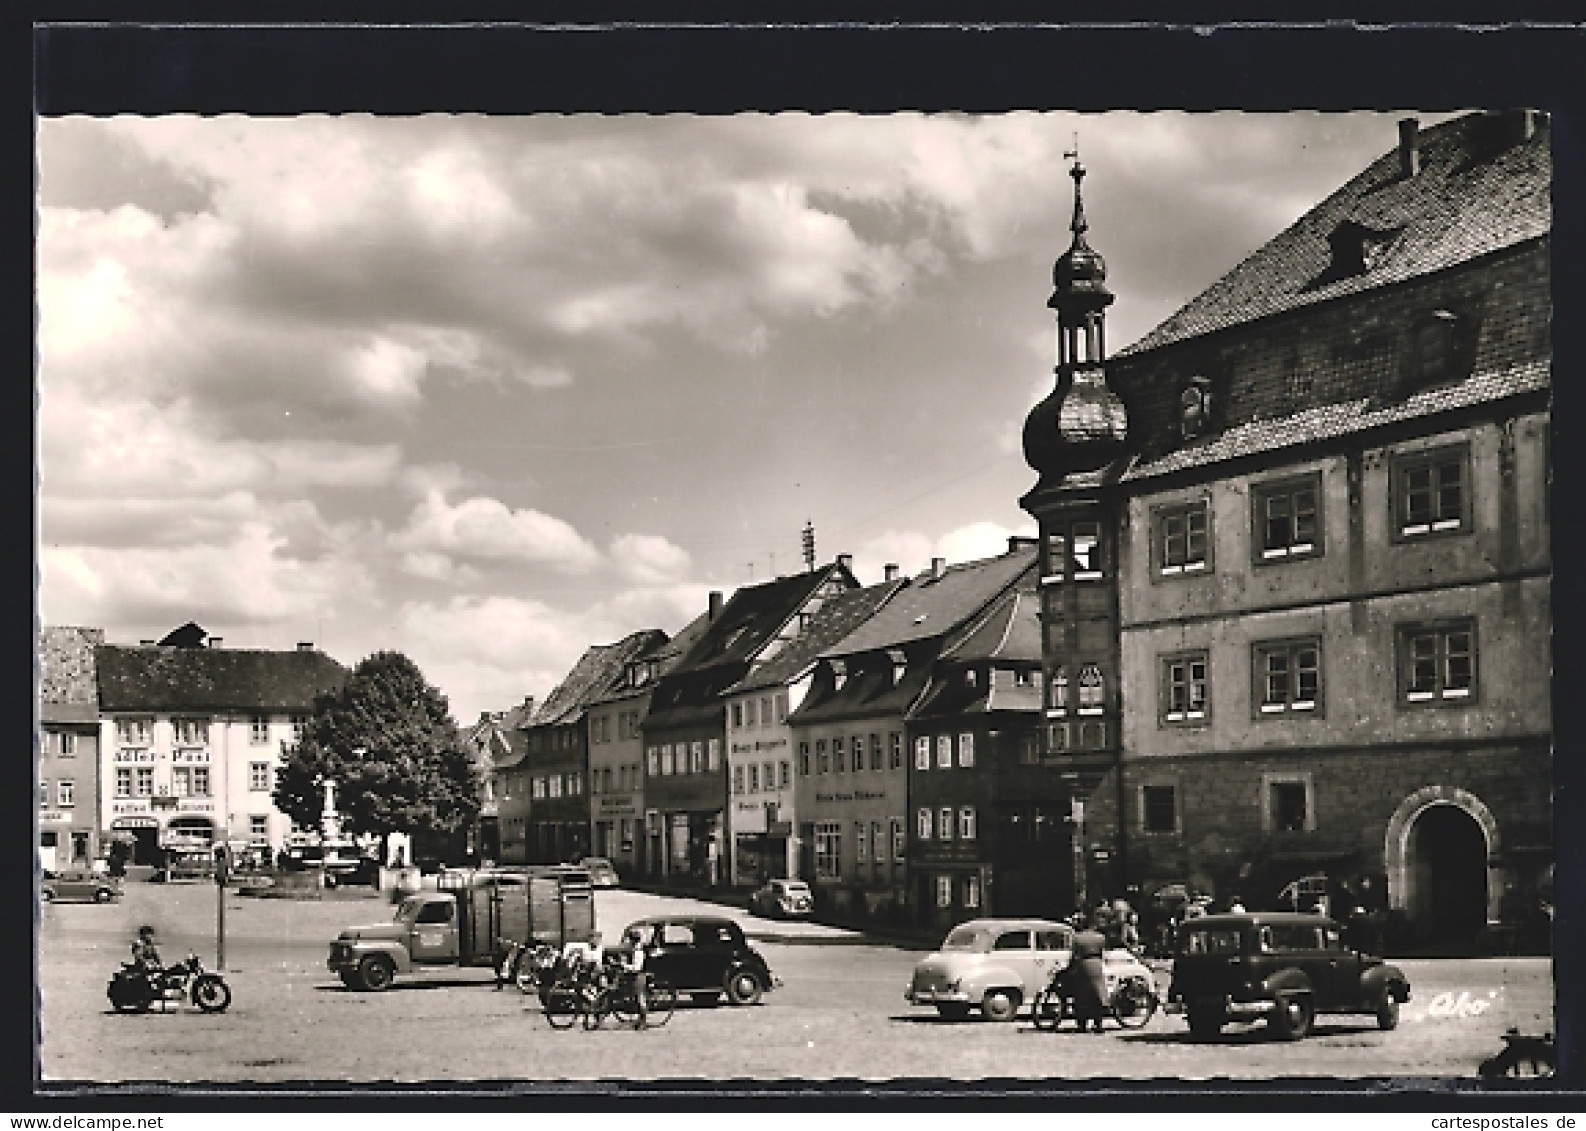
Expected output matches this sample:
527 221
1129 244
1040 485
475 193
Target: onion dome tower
1082 426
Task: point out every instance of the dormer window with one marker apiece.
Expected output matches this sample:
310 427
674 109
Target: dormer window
1195 408
1357 248
970 679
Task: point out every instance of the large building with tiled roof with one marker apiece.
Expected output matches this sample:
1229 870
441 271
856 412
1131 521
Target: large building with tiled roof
851 756
68 763
192 734
557 740
762 816
685 783
1296 554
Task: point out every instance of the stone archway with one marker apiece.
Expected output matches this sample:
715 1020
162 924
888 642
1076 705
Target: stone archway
1410 843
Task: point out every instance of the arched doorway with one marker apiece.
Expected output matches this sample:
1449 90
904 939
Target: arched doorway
1448 862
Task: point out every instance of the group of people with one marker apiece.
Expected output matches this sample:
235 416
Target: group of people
594 970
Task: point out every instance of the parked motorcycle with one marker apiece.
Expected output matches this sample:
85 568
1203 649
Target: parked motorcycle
135 989
1522 1056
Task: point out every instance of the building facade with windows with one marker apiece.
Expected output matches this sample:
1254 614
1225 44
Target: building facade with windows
686 784
191 735
763 820
1325 551
496 743
68 758
851 742
986 810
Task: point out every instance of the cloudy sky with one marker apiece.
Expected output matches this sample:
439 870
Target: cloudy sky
491 390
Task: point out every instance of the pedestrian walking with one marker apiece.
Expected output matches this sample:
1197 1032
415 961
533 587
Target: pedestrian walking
1085 975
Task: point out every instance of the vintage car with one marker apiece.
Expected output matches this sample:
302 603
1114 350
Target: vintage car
80 884
1281 966
783 899
702 956
995 965
602 873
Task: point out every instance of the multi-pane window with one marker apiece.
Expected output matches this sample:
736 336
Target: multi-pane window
895 750
1092 690
134 732
922 823
190 732
1184 688
1287 523
1159 808
754 778
652 758
922 753
971 891
737 715
839 755
713 755
696 757
1074 553
822 758
123 781
768 776
1289 675
966 749
781 707
765 712
861 844
1433 496
1288 804
966 823
944 823
828 850
200 781
553 785
737 779
900 838
259 776
944 751
259 730
299 724
944 891
259 826
804 759
145 781
857 752
1181 536
1057 692
537 787
65 793
878 842
1438 662
44 793
64 743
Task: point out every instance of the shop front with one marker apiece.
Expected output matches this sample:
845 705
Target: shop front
759 843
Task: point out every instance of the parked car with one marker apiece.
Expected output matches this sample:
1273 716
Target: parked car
1283 966
783 899
994 965
602 873
80 884
704 957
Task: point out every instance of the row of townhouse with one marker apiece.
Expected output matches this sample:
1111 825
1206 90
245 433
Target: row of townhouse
165 745
1287 613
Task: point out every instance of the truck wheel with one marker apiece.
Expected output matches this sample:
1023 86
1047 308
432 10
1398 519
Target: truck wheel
743 987
1388 1013
999 1005
1206 1021
376 972
1292 1021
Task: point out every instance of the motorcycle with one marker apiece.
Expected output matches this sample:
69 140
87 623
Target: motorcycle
134 988
1132 999
1522 1056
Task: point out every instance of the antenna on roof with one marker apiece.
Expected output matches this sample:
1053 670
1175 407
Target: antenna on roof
809 545
751 569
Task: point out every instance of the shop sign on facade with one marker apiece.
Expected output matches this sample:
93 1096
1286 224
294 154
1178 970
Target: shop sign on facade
54 817
748 817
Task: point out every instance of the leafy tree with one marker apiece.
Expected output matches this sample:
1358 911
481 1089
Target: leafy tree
388 741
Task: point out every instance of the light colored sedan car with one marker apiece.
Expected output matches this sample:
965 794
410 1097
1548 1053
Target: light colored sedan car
994 965
602 873
783 899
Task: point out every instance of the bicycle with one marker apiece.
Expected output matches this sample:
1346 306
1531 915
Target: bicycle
1132 1003
585 998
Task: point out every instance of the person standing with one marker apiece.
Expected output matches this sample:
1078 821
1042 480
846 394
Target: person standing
1087 982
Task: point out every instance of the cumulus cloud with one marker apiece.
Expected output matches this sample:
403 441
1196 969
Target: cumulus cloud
485 528
647 559
912 551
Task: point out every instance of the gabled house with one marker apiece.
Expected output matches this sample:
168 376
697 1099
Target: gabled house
685 731
762 815
491 743
69 780
850 761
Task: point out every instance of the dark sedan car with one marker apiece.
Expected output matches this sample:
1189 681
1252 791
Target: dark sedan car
701 956
80 884
1283 966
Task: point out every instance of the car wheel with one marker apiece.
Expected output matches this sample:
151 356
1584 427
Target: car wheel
952 1010
743 987
1292 1021
1206 1021
1388 1013
376 972
999 1005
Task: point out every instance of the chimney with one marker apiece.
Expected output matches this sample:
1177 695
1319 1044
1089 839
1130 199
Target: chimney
846 561
890 571
938 567
305 645
216 641
1409 149
715 604
1016 542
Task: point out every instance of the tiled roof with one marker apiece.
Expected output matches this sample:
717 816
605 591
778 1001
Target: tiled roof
1010 629
1327 421
66 665
68 712
161 679
592 677
866 693
517 746
837 617
933 606
1465 201
752 616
